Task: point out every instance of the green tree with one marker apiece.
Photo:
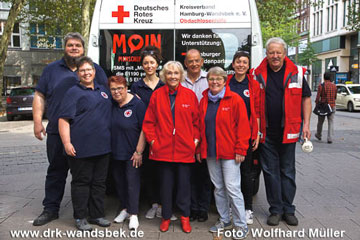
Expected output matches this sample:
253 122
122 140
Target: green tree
277 20
307 57
354 16
16 7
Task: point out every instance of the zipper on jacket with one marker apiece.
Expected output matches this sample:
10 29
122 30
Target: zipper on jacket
173 140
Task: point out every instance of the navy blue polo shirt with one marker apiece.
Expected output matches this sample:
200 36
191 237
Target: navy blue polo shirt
144 91
275 100
126 125
54 82
242 88
210 127
89 112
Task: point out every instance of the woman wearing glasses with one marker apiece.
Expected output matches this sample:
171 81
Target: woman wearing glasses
248 89
84 127
225 133
127 143
171 127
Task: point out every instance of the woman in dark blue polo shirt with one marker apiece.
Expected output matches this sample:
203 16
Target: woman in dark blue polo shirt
84 127
128 143
150 60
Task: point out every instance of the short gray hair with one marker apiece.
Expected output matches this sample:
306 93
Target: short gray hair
218 71
74 35
166 69
275 40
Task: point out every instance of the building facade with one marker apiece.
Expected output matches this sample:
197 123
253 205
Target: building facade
336 47
28 53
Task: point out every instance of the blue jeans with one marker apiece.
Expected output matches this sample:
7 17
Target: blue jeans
278 165
225 175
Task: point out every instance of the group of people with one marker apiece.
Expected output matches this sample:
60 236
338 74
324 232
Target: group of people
180 131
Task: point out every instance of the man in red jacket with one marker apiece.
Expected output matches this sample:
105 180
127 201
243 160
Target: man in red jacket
285 104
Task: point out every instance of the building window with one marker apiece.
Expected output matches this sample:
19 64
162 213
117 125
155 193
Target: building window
14 40
332 10
9 83
318 17
38 38
5 6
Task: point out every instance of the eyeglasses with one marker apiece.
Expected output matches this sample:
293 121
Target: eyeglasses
119 89
87 70
217 79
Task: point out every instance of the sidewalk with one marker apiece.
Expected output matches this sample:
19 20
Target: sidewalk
327 199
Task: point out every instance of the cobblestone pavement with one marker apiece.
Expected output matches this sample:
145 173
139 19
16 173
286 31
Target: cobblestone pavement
327 200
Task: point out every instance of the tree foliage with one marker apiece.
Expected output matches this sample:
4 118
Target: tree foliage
277 20
58 17
307 57
354 16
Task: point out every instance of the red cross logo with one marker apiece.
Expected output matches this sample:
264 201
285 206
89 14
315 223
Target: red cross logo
120 14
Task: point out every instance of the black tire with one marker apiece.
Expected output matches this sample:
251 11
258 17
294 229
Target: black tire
350 107
9 117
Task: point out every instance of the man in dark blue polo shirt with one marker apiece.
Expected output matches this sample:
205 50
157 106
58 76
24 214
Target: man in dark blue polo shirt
55 80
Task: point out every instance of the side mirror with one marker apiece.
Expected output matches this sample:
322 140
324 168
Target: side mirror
344 93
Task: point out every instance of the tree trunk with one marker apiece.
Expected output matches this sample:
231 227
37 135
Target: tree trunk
15 9
85 21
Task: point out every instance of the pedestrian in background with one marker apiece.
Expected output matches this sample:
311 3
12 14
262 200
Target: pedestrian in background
171 126
84 127
248 89
56 79
326 93
284 103
195 79
225 134
127 144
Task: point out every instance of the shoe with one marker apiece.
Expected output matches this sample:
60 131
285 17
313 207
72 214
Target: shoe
220 226
45 217
122 216
273 219
329 142
318 137
290 219
173 217
134 222
240 232
193 215
150 214
82 225
158 212
102 222
164 226
249 217
185 224
202 216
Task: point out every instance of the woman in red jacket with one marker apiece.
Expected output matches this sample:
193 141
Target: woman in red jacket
171 126
225 134
248 89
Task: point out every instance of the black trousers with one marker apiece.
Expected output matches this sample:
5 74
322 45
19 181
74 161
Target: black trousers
200 187
56 173
171 173
127 181
150 182
88 185
247 184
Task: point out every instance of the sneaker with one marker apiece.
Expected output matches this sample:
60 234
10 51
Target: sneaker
273 219
290 219
45 217
102 222
173 218
240 232
134 222
158 212
122 216
82 225
150 214
249 217
220 226
318 137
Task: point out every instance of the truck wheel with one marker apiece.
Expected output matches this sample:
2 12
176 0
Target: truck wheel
350 107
